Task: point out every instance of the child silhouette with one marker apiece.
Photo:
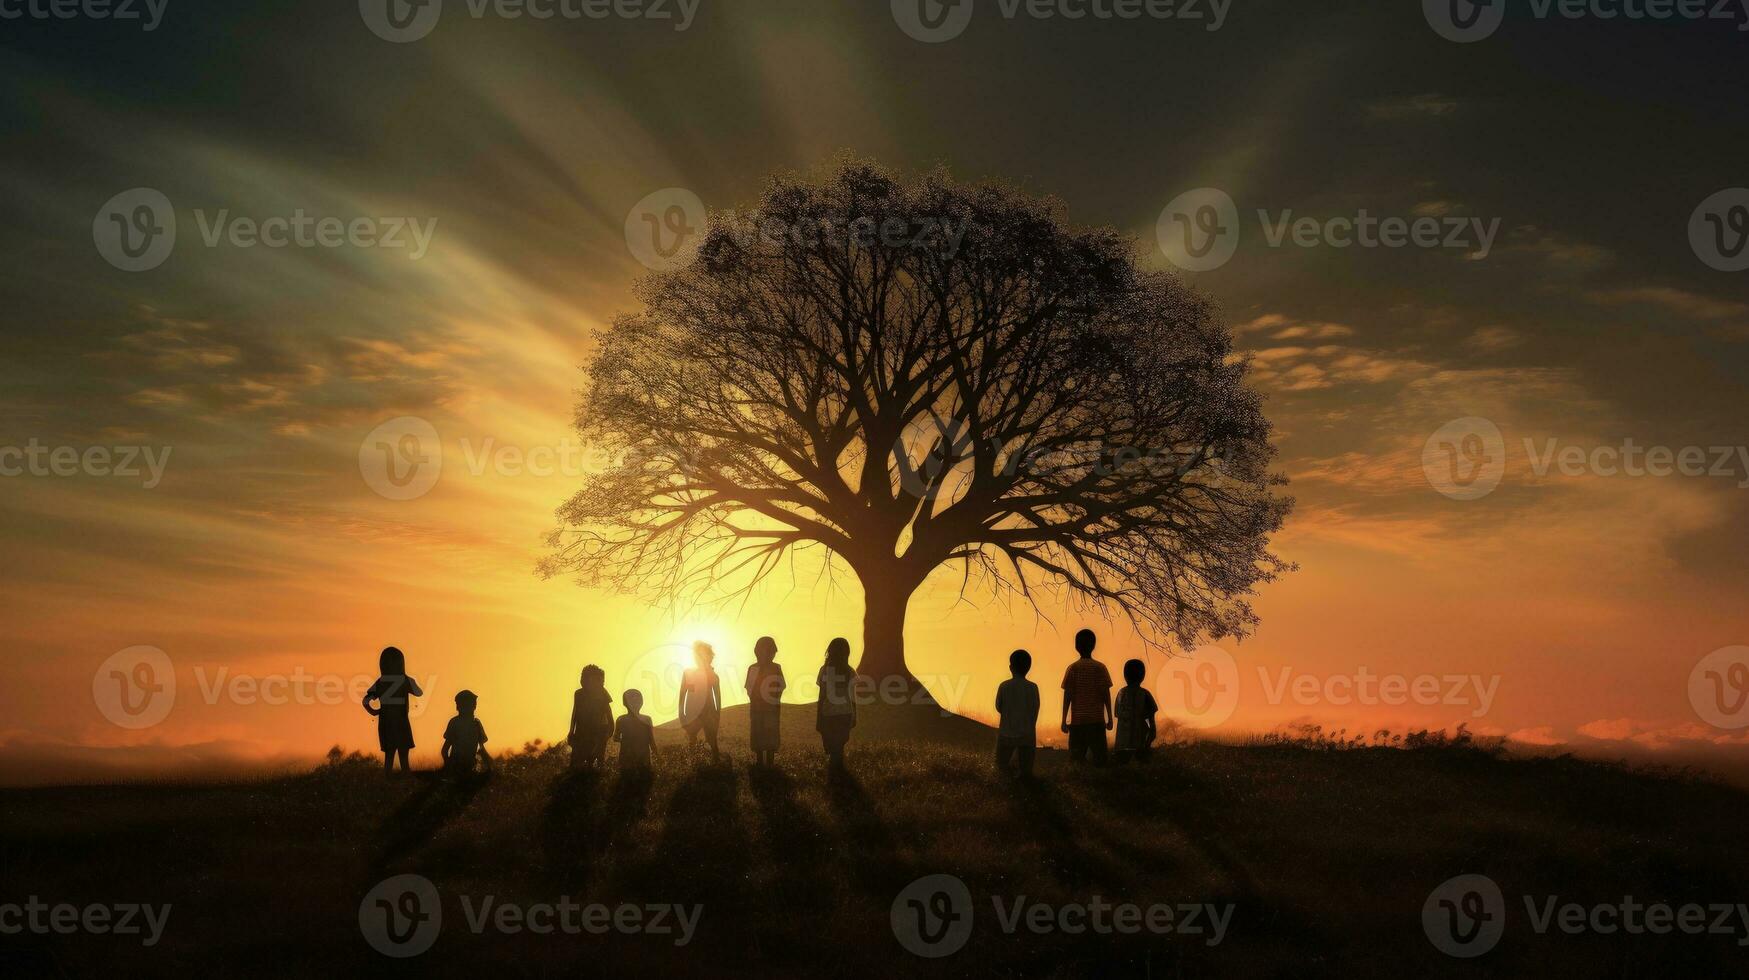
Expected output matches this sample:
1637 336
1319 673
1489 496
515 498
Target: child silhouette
1017 705
765 686
591 719
835 713
464 738
636 736
392 691
701 699
1135 716
1086 702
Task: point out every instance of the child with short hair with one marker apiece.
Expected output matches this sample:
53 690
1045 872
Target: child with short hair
636 736
591 719
1017 704
464 738
1135 716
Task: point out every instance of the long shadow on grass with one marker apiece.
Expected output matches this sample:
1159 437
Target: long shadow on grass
573 830
1038 807
792 837
702 855
418 819
870 848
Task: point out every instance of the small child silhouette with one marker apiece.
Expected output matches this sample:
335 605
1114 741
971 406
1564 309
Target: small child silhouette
1135 716
392 692
1017 704
765 687
464 738
636 736
591 719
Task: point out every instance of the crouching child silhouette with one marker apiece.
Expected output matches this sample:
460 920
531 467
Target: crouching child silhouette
636 736
1135 716
591 720
464 740
1017 704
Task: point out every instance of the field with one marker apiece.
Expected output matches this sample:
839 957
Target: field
1301 860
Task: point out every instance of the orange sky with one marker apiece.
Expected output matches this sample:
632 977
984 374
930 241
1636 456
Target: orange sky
1583 603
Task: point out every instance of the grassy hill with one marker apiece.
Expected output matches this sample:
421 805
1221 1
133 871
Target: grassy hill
1325 859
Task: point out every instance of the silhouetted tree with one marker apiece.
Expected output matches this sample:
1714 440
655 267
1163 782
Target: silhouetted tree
918 375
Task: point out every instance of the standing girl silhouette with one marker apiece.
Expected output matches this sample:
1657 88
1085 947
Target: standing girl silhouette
393 692
835 714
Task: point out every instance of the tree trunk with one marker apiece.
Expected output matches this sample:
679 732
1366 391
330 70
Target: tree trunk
883 628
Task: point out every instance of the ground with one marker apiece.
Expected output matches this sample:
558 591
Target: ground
1324 857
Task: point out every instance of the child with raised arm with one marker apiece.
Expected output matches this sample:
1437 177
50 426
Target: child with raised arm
591 719
1017 705
765 686
464 739
393 692
1135 716
636 736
